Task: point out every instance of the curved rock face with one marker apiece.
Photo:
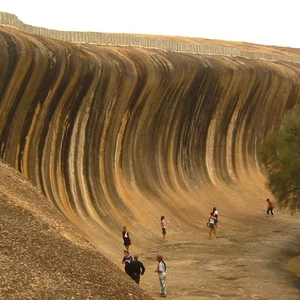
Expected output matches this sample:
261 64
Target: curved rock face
121 135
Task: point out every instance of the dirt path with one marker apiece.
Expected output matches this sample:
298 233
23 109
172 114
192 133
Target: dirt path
245 262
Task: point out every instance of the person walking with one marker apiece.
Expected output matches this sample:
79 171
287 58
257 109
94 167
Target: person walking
211 225
126 238
163 228
162 275
127 260
270 207
216 214
137 269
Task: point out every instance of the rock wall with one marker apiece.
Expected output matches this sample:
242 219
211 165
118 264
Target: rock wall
120 135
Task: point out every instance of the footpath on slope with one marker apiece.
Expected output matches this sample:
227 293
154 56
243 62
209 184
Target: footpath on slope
246 261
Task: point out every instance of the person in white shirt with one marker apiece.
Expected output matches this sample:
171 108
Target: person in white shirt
162 275
216 214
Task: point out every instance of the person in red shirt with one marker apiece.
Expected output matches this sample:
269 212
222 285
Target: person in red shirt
270 207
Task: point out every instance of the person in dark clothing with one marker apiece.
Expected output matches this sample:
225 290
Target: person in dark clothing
127 260
126 238
137 269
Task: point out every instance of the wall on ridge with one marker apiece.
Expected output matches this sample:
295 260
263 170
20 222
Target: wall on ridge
164 43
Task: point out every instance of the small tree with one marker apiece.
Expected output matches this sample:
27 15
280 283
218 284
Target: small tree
280 155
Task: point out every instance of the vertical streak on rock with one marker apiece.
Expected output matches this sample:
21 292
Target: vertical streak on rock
113 135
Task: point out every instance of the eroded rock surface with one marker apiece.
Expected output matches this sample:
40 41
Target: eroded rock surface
116 135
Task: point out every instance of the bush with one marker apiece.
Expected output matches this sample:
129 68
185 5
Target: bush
280 154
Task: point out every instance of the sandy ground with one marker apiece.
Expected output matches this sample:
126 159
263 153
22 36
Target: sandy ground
244 262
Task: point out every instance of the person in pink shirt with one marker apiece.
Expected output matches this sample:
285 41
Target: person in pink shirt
163 227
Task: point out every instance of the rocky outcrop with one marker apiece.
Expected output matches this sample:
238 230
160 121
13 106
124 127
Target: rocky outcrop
117 134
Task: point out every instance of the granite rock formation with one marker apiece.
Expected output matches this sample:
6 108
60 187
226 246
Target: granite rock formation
118 134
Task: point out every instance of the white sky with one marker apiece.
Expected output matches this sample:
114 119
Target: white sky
267 22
